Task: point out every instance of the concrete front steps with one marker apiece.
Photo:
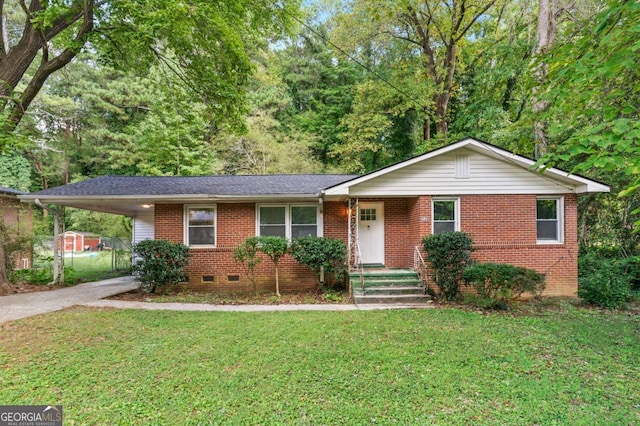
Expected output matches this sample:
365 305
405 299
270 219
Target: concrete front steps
388 286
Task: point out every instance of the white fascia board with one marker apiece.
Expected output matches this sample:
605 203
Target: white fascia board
59 199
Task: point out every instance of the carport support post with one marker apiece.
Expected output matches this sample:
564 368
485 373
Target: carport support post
58 259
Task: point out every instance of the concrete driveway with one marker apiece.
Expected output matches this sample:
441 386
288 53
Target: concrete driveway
16 306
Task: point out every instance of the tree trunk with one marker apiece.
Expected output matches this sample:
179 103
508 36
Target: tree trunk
277 283
58 255
545 35
442 102
426 127
35 39
5 285
56 242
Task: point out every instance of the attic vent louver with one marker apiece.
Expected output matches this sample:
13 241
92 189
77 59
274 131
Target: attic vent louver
463 166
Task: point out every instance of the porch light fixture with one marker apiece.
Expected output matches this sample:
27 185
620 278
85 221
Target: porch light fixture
146 206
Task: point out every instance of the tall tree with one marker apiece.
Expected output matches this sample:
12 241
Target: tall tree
268 146
321 86
545 36
93 120
593 97
436 29
203 42
493 84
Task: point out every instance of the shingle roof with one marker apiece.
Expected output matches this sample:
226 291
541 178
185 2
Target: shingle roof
237 185
10 191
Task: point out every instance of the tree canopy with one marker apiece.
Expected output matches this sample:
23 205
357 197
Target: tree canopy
206 44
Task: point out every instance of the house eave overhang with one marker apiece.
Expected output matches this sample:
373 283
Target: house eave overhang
578 184
129 205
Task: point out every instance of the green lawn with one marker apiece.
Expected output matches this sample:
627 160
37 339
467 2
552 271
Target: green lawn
437 366
91 266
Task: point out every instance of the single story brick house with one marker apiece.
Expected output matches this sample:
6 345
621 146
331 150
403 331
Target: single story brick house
17 219
514 214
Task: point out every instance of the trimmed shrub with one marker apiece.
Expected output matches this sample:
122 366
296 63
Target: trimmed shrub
247 255
159 263
603 282
321 252
448 253
497 284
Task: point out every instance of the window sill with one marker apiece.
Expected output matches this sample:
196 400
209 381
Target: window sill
549 242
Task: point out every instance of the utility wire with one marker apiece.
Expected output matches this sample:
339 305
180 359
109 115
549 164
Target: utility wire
350 57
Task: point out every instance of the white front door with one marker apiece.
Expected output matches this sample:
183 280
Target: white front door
371 232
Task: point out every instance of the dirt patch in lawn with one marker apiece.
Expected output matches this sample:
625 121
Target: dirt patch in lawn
194 296
32 288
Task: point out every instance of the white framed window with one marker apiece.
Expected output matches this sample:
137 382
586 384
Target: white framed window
549 220
445 214
289 220
200 225
272 221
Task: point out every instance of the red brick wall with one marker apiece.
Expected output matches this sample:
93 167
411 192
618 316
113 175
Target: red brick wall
503 228
396 233
235 222
504 231
18 220
336 220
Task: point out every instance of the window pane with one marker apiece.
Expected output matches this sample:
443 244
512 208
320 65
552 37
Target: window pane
202 235
444 210
439 227
304 231
547 209
304 215
201 227
272 230
368 214
548 230
202 217
272 216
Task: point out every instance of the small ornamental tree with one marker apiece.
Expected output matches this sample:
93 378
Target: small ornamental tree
275 248
159 263
318 253
247 255
448 253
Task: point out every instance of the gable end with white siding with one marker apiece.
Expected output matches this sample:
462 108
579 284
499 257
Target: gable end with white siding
465 168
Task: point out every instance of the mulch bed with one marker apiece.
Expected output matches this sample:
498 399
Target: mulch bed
193 296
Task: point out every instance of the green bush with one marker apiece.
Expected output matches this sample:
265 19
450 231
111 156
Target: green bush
496 284
631 268
43 276
159 263
247 255
448 253
603 282
320 252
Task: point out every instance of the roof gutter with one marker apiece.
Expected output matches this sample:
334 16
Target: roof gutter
172 197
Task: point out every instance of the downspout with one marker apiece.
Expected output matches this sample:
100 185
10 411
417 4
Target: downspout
321 210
